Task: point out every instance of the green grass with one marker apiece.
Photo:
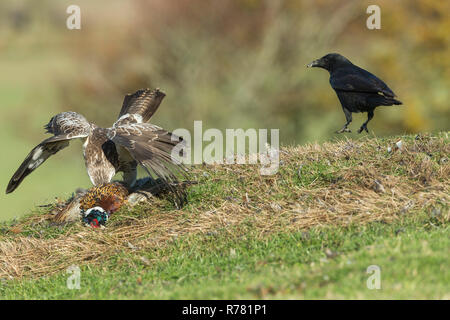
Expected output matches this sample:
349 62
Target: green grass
326 262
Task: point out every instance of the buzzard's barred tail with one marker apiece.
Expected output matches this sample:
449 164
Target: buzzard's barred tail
143 102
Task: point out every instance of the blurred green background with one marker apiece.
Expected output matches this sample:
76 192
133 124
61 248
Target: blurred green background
232 64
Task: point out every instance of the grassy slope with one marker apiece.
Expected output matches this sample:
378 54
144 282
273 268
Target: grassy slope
308 233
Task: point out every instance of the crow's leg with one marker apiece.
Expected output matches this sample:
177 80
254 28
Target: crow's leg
364 125
348 116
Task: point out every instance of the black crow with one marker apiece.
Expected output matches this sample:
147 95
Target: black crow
357 89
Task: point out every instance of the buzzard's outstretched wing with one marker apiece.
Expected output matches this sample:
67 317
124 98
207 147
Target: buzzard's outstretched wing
142 103
35 158
65 126
152 146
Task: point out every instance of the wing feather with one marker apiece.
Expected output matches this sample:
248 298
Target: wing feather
65 126
35 158
152 147
359 80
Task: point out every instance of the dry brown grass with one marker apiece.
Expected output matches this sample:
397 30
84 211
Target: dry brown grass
339 183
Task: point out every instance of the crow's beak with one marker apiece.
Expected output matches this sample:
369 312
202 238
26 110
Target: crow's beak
315 63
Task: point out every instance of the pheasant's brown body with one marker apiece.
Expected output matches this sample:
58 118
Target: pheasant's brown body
110 197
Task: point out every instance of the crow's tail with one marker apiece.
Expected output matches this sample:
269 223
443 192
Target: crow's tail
390 101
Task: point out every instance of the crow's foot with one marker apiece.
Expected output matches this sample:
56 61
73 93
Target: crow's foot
363 127
344 129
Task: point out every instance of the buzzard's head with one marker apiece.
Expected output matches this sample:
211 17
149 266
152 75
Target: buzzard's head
69 122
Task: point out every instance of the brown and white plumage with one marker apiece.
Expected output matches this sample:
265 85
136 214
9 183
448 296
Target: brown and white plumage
129 142
65 127
142 103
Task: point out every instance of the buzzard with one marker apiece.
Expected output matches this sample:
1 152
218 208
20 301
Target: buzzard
120 148
358 90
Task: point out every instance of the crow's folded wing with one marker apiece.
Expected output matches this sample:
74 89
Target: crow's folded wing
355 79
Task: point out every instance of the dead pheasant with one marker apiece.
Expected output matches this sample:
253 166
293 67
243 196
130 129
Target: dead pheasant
98 202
